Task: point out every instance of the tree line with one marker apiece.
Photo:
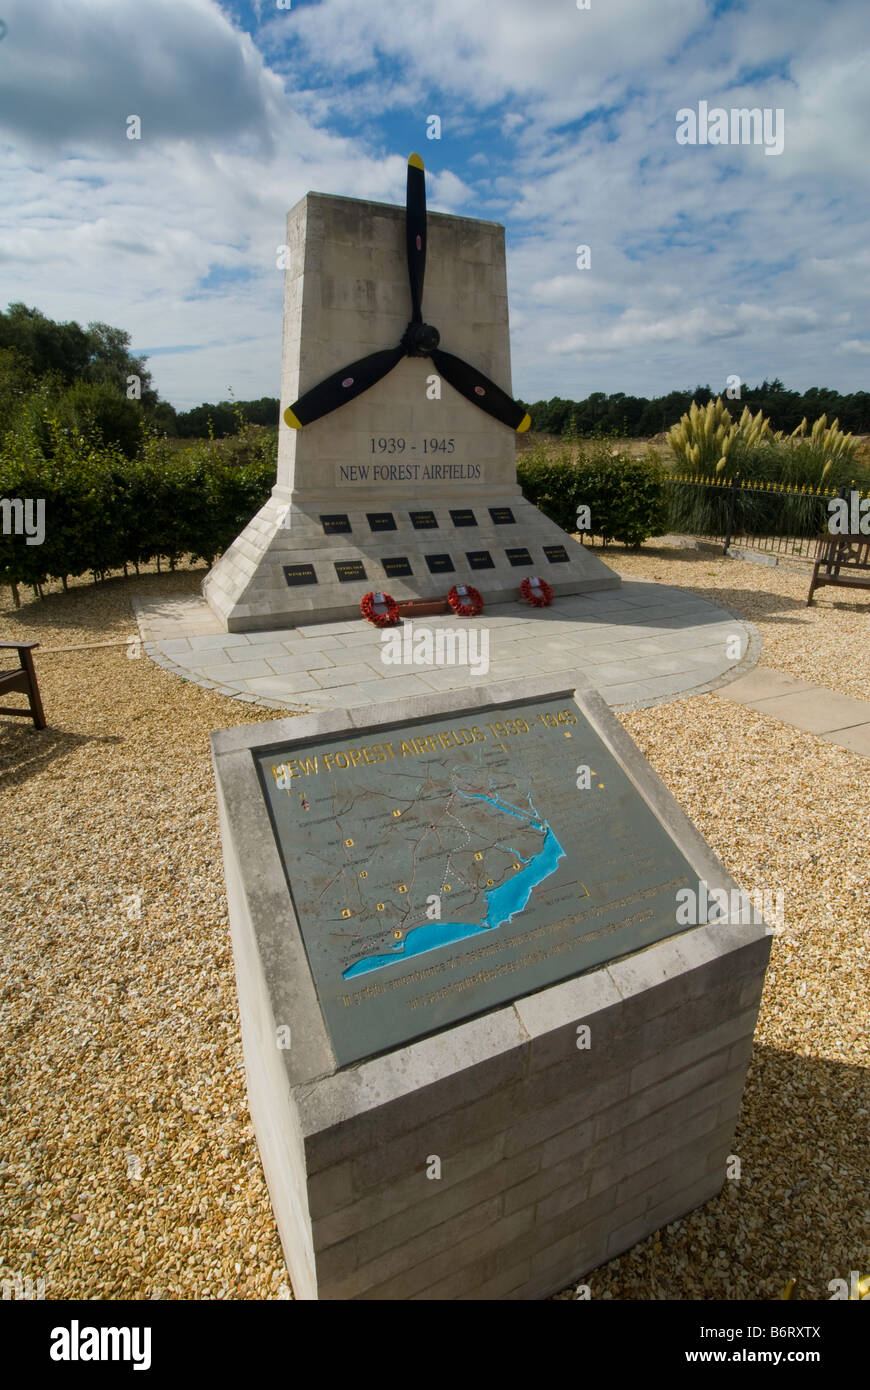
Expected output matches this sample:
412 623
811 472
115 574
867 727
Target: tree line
93 383
641 417
98 387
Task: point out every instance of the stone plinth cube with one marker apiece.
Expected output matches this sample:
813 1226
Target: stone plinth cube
352 485
491 1099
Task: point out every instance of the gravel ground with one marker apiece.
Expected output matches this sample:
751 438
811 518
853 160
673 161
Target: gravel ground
828 644
128 1166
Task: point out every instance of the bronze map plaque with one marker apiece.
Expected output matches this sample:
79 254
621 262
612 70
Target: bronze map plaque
441 868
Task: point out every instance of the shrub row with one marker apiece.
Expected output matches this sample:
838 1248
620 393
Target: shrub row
104 511
625 496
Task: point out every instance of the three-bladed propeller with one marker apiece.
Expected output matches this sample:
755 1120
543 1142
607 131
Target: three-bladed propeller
419 340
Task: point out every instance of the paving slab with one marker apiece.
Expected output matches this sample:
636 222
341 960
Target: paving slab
223 639
283 635
394 688
618 672
840 719
351 674
263 651
300 661
184 615
674 663
353 639
856 739
351 656
275 686
446 677
327 629
343 697
816 710
193 661
699 655
764 684
668 643
646 644
298 643
231 673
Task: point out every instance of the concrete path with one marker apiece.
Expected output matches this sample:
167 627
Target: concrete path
641 644
840 719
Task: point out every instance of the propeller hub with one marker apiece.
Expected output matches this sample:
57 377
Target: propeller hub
420 339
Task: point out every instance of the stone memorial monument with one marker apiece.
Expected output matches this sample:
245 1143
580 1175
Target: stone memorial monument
396 456
486 1049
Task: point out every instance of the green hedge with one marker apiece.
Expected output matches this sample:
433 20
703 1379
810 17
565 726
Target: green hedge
625 496
104 511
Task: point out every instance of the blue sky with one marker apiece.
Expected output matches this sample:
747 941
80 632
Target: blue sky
706 260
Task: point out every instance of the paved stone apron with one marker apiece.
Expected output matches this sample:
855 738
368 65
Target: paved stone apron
641 644
836 718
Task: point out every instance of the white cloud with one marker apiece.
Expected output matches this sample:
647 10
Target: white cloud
480 53
98 227
633 329
705 261
77 71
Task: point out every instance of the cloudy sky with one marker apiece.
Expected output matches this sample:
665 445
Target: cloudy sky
706 259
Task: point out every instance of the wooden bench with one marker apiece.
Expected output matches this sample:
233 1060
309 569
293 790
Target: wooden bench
23 677
843 561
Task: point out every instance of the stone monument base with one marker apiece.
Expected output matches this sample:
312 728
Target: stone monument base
296 562
508 1154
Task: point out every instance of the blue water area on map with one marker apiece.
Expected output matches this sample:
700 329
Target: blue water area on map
502 903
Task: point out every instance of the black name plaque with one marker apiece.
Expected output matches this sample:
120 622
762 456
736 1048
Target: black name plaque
300 574
396 565
439 564
349 569
480 559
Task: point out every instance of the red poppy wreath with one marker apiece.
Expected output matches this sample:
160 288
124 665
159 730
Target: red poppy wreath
465 601
380 609
537 592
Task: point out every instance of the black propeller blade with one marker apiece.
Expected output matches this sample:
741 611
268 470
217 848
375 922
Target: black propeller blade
342 386
477 388
415 232
420 340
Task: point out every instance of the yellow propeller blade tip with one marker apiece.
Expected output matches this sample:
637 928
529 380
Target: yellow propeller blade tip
291 420
524 423
416 161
